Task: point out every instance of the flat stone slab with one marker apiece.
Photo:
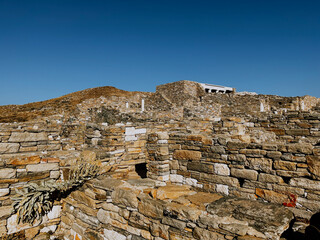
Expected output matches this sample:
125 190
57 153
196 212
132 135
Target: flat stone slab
269 220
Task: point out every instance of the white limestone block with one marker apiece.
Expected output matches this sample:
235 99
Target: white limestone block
221 169
224 189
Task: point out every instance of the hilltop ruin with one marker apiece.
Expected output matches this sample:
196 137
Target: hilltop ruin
181 163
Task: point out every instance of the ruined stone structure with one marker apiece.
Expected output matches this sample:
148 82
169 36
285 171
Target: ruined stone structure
186 164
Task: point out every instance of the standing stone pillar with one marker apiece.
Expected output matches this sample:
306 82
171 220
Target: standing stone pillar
158 151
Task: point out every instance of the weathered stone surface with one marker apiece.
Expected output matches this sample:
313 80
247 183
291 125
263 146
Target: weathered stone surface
24 161
184 212
244 173
112 235
220 179
4 191
42 167
202 199
55 212
298 132
5 211
28 137
200 167
313 163
305 183
9 147
173 191
305 148
125 197
263 177
7 173
174 223
272 196
187 155
285 165
159 230
262 164
218 149
221 169
151 208
268 220
202 234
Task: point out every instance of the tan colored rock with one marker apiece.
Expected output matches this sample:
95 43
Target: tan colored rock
24 161
5 211
272 196
7 173
187 155
30 233
263 177
125 197
88 156
262 164
151 208
203 234
42 167
244 173
305 148
284 165
82 197
173 191
313 163
305 183
162 151
9 147
28 137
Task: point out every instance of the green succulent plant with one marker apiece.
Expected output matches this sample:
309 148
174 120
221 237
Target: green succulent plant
35 200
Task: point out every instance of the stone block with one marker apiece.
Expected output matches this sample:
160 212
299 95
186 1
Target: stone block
305 183
284 165
4 192
272 196
224 189
232 146
151 208
298 132
7 173
263 177
174 223
305 148
218 149
200 167
5 211
313 163
221 169
244 173
173 191
125 197
162 151
112 235
225 180
130 131
187 155
55 212
262 164
42 167
176 178
24 161
9 147
28 137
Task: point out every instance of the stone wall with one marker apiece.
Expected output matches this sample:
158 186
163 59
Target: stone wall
219 143
109 208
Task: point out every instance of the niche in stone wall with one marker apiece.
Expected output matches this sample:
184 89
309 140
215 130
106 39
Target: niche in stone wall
141 169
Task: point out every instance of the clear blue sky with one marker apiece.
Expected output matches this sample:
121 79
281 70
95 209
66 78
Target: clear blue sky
49 48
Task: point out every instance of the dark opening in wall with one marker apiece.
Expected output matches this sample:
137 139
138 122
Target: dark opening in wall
286 179
141 169
241 181
207 90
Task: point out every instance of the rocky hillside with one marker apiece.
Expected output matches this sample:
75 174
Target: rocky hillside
66 104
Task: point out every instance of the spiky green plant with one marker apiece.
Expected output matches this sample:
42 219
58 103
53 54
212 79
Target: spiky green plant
35 200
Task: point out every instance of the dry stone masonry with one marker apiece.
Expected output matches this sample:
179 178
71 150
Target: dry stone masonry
180 163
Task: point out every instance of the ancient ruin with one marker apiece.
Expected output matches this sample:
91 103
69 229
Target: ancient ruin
179 164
